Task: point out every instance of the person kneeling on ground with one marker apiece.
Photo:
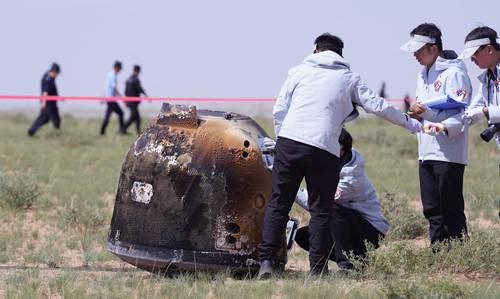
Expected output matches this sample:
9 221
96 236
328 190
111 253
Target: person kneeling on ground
356 214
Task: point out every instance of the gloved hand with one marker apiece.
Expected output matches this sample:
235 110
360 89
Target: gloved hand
413 125
472 115
269 144
434 129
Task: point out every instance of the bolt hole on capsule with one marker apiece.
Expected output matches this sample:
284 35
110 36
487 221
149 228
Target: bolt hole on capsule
232 228
230 240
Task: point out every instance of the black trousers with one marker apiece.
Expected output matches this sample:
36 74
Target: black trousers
50 112
348 233
441 185
135 117
293 161
112 107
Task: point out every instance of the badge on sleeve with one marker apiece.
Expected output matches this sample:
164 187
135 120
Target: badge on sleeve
462 92
437 85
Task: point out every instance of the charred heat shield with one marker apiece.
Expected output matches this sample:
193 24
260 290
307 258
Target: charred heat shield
192 193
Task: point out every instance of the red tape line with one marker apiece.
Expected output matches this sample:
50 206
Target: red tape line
135 99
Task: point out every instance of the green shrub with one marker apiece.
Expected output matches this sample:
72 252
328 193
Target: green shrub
406 223
441 288
18 190
480 253
82 216
9 242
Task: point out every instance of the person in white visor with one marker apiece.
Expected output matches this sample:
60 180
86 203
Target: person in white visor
481 45
442 158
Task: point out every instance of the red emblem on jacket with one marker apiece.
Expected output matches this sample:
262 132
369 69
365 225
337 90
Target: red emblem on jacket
437 85
462 92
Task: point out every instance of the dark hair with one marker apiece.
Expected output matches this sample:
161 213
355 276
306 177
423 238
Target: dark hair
326 42
55 68
137 68
117 65
430 30
345 140
484 32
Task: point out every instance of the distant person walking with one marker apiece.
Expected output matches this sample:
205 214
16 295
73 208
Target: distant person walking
382 93
112 91
133 88
407 103
49 110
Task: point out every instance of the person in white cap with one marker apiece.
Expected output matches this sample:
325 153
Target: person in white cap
316 99
442 158
482 47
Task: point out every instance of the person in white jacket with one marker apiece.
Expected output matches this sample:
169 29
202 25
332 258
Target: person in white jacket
356 212
442 159
482 47
314 102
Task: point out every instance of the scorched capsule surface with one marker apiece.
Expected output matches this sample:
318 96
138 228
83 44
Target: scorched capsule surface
192 193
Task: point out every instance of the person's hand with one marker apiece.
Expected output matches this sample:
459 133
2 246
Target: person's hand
269 144
414 115
337 196
434 129
418 108
413 125
473 115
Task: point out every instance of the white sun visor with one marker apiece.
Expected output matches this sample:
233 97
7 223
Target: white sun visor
472 46
416 42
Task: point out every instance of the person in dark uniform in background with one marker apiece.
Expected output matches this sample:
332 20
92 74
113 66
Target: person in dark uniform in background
49 110
112 91
133 88
382 93
407 103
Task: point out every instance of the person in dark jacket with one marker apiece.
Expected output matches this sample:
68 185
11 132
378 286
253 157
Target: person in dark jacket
49 110
133 88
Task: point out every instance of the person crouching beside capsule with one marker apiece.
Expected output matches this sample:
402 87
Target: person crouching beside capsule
356 214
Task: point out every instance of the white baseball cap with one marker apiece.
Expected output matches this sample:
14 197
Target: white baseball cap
416 42
472 46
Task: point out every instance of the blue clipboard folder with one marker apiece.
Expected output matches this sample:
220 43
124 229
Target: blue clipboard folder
444 103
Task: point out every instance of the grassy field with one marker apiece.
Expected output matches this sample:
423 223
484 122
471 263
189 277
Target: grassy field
57 193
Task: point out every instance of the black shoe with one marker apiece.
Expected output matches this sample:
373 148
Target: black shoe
122 131
266 270
318 270
345 272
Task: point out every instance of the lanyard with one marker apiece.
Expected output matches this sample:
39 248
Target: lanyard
492 78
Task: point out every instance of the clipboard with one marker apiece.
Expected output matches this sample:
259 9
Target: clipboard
444 103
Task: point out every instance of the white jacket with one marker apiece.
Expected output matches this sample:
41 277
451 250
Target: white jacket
356 192
483 97
319 95
445 77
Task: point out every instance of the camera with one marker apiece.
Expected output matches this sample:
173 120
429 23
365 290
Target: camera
490 132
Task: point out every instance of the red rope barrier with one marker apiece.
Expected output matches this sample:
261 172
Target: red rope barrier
134 99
